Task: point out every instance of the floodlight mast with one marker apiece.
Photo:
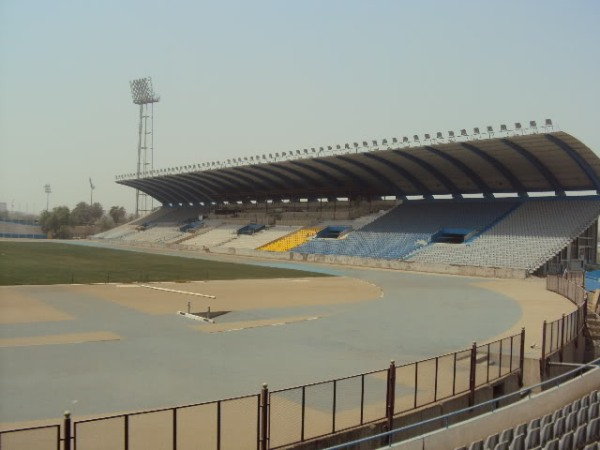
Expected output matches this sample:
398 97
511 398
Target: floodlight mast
48 191
143 95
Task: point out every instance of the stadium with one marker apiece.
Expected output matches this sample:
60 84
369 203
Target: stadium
472 256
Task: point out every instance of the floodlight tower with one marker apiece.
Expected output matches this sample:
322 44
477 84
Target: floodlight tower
143 95
48 191
92 187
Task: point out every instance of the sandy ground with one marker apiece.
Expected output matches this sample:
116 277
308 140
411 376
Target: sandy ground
238 295
17 307
536 303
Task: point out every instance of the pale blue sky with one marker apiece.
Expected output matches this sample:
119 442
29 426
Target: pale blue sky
240 78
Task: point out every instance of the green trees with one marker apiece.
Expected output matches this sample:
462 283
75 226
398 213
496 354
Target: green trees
117 213
62 222
57 222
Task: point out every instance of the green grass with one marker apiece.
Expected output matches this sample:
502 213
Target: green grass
54 263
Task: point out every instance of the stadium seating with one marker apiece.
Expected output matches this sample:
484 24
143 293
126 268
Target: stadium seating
410 225
13 229
217 235
574 426
291 240
525 239
260 238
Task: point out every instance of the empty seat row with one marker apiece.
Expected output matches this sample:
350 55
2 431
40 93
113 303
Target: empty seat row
574 426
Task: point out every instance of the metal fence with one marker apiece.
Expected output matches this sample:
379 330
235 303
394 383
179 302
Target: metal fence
40 438
284 417
320 409
570 286
221 425
559 333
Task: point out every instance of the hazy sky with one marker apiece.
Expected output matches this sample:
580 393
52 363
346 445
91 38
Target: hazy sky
240 78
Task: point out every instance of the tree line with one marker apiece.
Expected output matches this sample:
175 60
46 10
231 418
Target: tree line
62 222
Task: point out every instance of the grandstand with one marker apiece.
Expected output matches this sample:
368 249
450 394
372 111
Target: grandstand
513 202
21 229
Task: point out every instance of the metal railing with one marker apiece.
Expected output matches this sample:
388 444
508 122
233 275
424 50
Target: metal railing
445 420
284 417
46 437
325 408
559 333
223 424
569 287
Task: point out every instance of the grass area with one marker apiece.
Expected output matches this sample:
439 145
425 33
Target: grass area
54 263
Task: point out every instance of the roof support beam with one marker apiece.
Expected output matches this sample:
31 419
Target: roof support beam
582 163
322 174
403 172
517 185
285 181
540 166
305 177
443 179
469 173
222 182
395 190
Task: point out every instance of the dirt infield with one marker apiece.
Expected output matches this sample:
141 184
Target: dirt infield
19 307
237 295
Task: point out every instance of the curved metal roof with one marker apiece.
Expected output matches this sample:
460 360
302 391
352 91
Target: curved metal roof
518 164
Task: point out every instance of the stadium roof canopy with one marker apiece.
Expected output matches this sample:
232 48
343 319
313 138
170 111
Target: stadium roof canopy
519 164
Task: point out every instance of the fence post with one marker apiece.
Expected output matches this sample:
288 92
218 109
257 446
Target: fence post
543 358
522 357
562 337
264 418
391 398
472 374
67 426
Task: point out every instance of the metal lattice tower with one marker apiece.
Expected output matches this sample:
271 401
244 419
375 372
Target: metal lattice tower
143 95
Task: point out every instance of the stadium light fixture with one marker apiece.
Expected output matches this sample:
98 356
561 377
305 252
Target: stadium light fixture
490 130
415 138
347 146
312 149
476 131
427 137
338 147
48 191
548 122
365 144
405 140
142 91
355 144
374 142
394 140
463 132
450 134
321 149
306 151
439 135
384 142
503 128
533 125
329 147
518 126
